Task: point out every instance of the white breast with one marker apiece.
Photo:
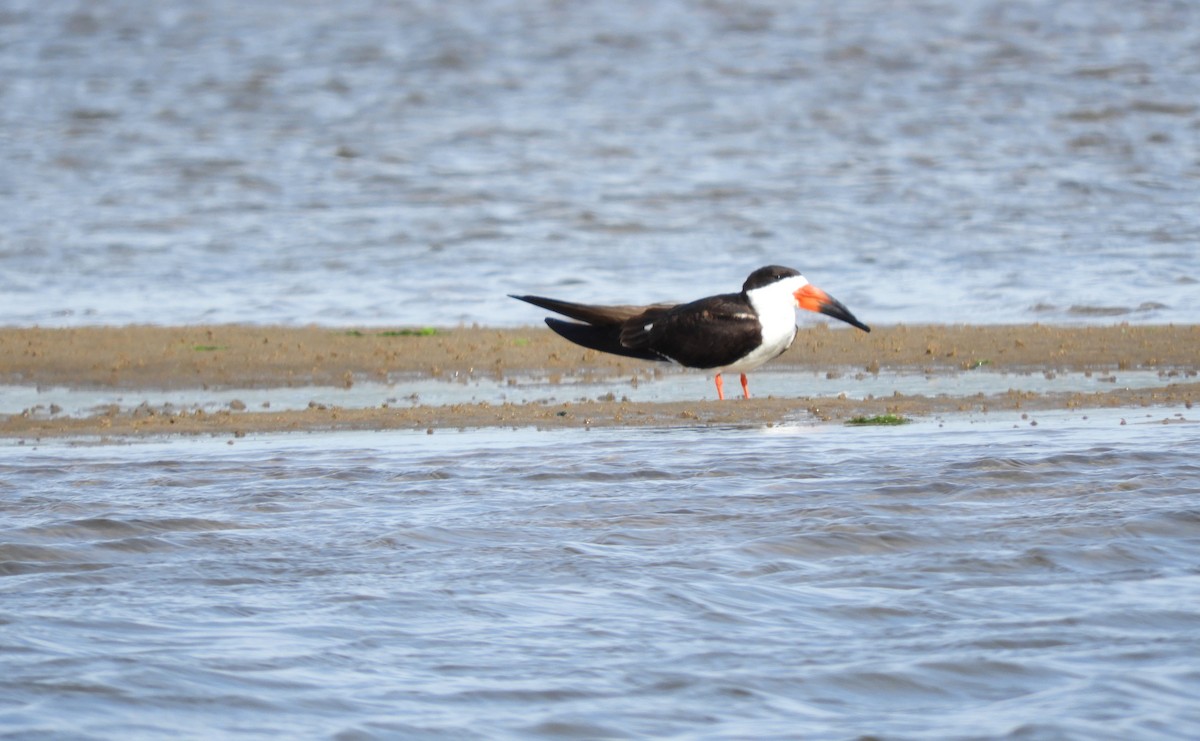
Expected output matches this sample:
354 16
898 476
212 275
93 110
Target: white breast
776 308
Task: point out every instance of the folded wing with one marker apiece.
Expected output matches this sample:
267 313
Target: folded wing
602 326
710 333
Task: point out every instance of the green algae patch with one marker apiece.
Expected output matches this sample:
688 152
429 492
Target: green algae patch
879 420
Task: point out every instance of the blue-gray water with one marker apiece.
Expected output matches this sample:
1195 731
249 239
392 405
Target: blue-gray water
966 579
383 162
370 162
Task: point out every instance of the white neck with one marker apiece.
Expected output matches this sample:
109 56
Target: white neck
776 308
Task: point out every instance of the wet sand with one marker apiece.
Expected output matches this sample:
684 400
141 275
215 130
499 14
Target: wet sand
237 356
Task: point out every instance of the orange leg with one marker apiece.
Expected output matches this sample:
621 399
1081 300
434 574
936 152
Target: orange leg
720 388
745 386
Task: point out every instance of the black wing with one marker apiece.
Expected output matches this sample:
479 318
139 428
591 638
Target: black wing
710 333
605 338
603 324
589 313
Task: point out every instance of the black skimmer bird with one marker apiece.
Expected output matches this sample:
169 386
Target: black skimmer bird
728 333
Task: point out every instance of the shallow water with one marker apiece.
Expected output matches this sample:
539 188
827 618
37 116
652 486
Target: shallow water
643 386
968 577
373 162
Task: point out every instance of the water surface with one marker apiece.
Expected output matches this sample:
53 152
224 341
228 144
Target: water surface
644 385
369 162
968 577
373 162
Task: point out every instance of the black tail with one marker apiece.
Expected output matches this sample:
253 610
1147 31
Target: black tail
590 313
604 338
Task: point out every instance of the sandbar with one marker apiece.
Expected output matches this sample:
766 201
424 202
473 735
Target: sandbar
265 357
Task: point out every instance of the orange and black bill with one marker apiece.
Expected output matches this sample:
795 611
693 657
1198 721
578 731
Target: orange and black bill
814 299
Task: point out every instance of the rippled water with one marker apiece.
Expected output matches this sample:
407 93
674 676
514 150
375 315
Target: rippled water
372 161
963 578
413 162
